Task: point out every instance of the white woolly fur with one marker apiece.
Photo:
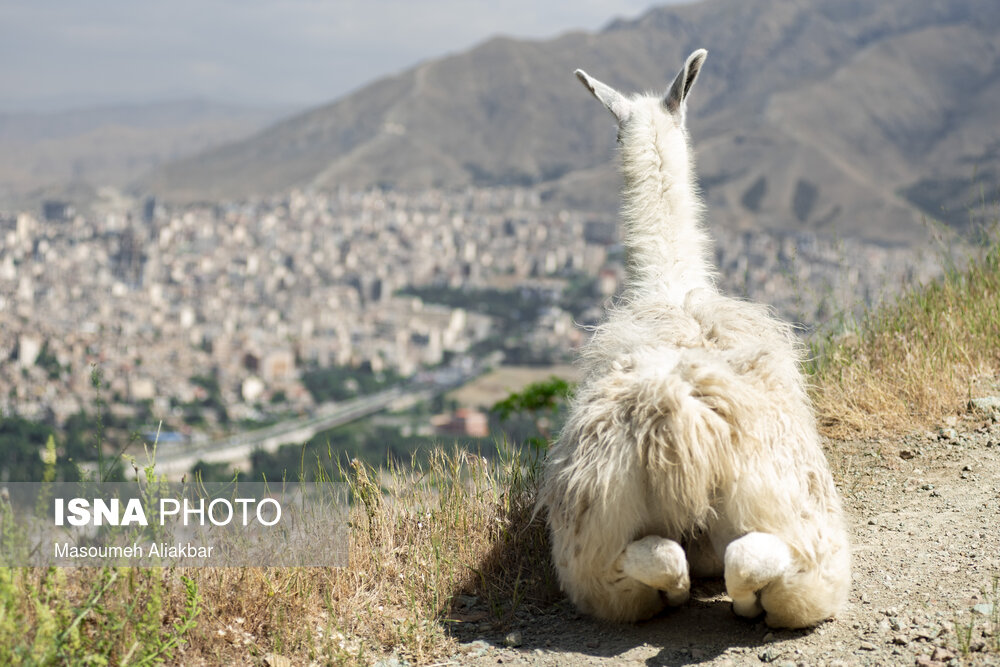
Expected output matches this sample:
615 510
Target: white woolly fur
692 428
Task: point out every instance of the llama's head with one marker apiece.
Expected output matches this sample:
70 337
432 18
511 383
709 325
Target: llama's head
646 121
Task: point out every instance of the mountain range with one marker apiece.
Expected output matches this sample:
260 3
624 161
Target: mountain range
842 117
70 154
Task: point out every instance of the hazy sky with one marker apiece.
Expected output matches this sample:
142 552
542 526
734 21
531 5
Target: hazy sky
68 53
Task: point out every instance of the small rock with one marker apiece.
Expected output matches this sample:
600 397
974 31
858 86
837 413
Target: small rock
977 647
513 640
927 487
985 608
947 434
942 654
387 662
769 637
787 663
900 640
275 660
767 655
924 661
905 454
987 404
478 648
867 646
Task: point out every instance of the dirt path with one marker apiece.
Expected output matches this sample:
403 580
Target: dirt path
924 513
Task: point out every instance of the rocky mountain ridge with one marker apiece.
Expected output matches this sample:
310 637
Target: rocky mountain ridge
843 117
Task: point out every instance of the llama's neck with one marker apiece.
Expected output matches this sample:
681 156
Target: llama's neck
667 249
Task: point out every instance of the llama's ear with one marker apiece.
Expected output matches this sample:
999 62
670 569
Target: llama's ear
674 101
615 102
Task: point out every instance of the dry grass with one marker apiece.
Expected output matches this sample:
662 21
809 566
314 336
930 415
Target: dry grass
419 537
915 360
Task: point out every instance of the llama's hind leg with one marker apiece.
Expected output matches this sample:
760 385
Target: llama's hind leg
609 574
658 563
624 587
794 594
751 563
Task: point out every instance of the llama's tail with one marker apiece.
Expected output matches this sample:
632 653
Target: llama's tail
689 412
676 420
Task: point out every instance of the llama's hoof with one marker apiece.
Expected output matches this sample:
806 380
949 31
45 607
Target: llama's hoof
747 607
677 597
661 564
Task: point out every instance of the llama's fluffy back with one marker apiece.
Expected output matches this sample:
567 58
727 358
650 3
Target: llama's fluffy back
691 419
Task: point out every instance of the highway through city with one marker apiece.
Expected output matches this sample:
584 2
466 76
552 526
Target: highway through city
236 450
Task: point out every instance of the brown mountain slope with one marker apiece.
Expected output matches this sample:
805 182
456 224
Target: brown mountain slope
843 116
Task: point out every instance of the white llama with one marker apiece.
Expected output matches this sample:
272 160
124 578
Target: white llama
690 443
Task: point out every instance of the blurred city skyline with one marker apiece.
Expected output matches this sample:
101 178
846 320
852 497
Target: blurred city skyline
64 55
